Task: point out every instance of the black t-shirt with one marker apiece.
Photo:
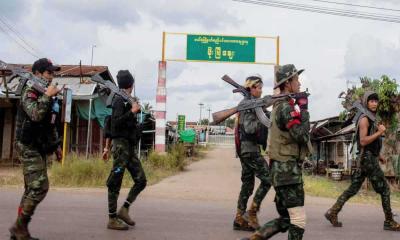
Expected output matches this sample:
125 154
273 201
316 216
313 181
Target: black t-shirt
123 121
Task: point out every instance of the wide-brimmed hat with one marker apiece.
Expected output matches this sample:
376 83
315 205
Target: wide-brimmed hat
286 72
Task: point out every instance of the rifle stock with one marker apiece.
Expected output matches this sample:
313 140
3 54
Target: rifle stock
220 116
238 88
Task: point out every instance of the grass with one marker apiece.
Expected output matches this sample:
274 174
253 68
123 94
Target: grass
320 186
93 172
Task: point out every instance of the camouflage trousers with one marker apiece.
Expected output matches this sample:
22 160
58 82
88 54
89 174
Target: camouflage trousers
289 195
36 182
286 197
253 165
124 157
370 169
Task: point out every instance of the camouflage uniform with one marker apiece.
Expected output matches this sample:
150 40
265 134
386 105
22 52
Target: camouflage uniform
124 144
36 138
368 168
289 127
253 165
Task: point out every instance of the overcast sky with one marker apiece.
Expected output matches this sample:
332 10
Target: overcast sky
127 34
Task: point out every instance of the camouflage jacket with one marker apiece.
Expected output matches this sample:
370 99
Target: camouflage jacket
34 104
33 121
286 117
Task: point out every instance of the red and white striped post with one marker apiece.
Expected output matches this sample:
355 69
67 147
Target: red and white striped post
161 107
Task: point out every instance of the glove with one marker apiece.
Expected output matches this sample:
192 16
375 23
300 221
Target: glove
302 100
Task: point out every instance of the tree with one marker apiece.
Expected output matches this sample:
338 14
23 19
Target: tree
229 122
204 121
388 112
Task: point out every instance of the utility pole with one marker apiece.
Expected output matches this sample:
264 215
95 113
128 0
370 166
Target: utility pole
209 114
91 60
201 107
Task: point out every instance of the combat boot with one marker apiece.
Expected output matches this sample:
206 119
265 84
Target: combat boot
332 216
123 214
19 231
251 216
117 224
240 223
390 224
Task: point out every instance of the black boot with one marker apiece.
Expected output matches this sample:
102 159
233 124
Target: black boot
295 233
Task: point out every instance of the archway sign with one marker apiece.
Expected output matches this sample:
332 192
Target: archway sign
204 48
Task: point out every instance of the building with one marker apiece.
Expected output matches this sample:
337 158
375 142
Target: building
84 136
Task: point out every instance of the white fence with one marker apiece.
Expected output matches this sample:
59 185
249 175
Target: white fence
226 140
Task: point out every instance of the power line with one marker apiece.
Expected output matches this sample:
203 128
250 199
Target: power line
333 11
357 5
14 40
4 20
325 10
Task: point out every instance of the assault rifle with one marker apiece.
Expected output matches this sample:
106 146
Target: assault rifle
114 90
258 104
26 78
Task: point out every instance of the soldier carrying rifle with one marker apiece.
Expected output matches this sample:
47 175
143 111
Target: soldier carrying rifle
288 145
369 144
247 138
36 138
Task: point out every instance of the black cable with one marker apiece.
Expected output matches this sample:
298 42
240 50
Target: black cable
322 10
333 10
357 5
13 39
18 34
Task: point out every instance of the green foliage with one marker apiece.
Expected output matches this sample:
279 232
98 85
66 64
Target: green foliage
387 91
93 172
175 159
79 172
229 122
342 115
204 121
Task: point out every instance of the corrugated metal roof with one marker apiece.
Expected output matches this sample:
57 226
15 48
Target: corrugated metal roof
72 70
349 129
70 76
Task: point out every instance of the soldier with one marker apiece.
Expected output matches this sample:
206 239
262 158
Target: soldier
369 143
36 137
124 143
247 136
288 145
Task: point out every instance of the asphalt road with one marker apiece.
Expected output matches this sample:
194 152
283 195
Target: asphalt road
197 204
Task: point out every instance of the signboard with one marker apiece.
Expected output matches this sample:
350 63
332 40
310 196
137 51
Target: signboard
67 104
221 48
181 123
